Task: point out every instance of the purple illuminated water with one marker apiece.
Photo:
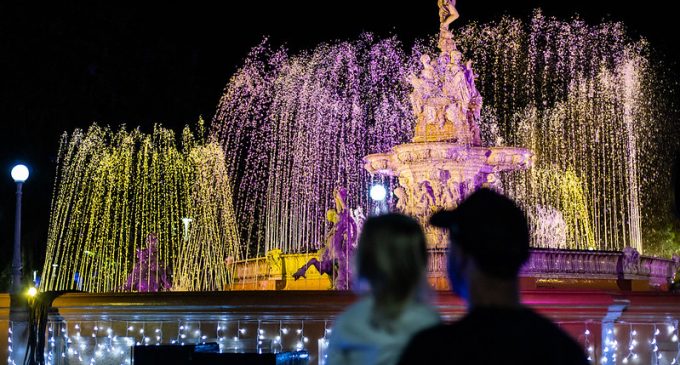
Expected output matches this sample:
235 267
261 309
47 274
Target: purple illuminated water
296 126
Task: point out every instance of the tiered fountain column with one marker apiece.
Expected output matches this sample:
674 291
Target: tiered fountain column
445 162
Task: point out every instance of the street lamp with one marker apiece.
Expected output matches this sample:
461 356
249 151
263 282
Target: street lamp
20 175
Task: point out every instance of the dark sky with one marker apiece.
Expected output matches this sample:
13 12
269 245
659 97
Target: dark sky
67 64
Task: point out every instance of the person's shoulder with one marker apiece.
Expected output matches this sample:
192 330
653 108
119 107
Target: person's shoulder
556 338
424 345
432 335
546 326
423 315
539 321
434 332
356 311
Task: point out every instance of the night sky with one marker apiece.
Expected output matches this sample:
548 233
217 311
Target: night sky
66 65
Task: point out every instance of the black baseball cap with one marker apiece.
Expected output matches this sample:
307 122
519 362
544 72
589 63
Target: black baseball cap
491 228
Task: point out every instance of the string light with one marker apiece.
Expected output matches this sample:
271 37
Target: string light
674 338
260 337
632 343
302 340
219 334
197 334
656 356
159 334
323 344
181 334
586 343
610 345
277 342
51 343
239 331
115 349
10 347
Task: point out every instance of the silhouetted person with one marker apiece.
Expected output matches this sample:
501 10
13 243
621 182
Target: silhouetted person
392 260
489 242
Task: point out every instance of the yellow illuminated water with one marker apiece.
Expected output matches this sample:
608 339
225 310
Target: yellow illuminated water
113 188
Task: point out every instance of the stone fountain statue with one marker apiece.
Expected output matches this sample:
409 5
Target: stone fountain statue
445 101
445 161
341 242
148 273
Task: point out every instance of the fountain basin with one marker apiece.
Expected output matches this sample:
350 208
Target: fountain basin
439 175
467 161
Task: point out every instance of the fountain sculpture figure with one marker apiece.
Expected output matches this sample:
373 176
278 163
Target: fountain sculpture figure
341 241
446 160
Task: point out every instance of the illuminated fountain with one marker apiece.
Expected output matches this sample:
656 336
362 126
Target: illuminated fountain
577 96
581 103
120 210
445 162
294 128
580 97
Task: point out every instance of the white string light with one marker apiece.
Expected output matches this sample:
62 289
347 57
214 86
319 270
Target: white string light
654 345
219 334
65 338
632 343
260 337
302 340
200 337
181 335
51 343
674 338
179 328
103 345
323 344
586 343
239 331
277 341
10 348
158 332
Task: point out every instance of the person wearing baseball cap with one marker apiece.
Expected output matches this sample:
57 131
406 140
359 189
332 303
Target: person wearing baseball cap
488 244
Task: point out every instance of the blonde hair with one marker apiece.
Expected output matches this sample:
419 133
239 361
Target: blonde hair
392 257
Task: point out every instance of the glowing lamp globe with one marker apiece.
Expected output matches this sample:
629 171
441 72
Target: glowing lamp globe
378 192
32 292
20 173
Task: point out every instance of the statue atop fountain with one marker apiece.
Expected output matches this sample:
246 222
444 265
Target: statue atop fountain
445 101
445 161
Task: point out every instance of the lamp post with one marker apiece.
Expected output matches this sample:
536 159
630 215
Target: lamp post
18 312
20 175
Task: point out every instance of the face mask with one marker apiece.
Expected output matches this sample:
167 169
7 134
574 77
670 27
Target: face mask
456 279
